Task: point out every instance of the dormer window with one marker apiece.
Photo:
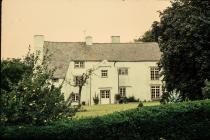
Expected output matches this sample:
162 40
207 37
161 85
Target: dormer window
79 64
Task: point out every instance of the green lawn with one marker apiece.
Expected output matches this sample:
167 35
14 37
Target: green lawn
99 110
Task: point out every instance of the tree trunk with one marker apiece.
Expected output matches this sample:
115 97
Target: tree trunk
80 90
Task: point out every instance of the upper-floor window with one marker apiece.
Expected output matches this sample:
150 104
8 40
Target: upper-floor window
78 80
104 73
123 71
155 92
122 91
79 64
154 73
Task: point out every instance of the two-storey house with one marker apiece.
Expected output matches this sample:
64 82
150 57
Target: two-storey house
129 69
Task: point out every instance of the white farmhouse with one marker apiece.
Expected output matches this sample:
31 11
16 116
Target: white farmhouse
129 69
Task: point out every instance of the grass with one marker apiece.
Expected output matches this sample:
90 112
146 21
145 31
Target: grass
99 110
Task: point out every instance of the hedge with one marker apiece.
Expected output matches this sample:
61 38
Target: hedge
188 120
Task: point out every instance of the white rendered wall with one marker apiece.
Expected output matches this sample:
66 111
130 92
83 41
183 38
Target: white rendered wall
137 82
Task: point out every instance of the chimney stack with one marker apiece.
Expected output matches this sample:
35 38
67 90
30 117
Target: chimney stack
38 46
89 40
115 39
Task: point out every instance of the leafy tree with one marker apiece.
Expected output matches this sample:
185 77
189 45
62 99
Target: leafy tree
12 71
185 46
81 81
34 100
151 35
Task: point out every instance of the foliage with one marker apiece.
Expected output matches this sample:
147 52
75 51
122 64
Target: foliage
206 90
123 100
151 35
83 103
80 82
34 100
187 120
117 97
132 99
140 104
184 43
171 97
96 99
12 71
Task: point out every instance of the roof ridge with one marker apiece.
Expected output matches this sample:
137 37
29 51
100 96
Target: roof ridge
61 42
105 42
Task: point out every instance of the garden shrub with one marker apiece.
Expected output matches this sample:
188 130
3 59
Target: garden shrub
171 97
83 102
132 99
123 100
96 99
140 104
187 121
117 97
34 99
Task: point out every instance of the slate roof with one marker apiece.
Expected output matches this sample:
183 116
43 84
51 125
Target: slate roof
64 52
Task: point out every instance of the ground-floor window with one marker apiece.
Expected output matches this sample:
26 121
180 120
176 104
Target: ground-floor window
105 93
75 97
122 91
155 91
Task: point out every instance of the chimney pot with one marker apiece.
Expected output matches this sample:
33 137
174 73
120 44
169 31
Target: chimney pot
115 39
89 40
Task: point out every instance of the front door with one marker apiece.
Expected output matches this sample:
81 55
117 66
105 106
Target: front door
105 96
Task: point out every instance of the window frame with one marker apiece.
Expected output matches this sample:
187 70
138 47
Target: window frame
154 73
77 81
79 64
123 71
122 91
155 91
75 97
105 94
104 73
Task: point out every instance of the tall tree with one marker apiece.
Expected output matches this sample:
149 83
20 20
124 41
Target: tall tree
33 99
185 46
151 35
12 71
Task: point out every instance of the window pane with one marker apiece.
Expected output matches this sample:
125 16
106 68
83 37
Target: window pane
122 91
75 97
154 73
123 71
107 95
155 92
104 73
79 64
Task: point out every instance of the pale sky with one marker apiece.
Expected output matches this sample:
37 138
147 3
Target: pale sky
72 20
